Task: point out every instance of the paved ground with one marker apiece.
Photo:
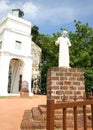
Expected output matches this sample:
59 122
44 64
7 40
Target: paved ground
12 109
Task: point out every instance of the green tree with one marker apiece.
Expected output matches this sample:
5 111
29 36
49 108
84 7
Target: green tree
49 55
34 33
81 52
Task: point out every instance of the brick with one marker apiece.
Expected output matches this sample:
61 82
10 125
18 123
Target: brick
59 83
55 78
70 117
55 97
67 82
76 74
69 111
53 83
58 111
80 78
62 69
53 92
78 92
68 74
76 83
63 78
59 92
58 124
72 78
49 89
72 87
81 70
24 94
36 113
81 88
72 70
27 115
55 87
42 108
59 74
58 117
65 87
68 92
37 125
53 74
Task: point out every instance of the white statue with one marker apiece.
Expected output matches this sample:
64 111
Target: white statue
64 45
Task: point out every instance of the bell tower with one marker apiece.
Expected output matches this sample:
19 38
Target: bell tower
15 52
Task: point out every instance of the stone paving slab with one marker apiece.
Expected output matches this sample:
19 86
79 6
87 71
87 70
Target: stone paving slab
12 110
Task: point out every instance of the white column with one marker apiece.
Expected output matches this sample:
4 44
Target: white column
27 73
4 68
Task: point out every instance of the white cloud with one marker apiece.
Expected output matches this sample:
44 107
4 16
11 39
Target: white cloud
4 6
57 15
30 9
64 12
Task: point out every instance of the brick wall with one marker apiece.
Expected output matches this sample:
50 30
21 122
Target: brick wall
65 83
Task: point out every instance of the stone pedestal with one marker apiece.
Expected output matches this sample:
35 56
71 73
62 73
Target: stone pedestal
24 93
24 90
65 83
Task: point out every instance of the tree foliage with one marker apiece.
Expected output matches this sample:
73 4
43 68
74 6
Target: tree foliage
49 55
81 52
34 33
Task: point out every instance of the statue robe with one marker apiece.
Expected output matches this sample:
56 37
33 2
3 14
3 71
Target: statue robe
64 45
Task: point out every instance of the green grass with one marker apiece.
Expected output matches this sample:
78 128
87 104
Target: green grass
1 97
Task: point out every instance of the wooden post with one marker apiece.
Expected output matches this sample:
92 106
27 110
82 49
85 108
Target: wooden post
75 118
92 115
50 114
64 119
84 115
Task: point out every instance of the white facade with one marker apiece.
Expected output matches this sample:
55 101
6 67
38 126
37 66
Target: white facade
15 54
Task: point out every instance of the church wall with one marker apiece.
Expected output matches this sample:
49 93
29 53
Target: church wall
15 34
4 67
16 43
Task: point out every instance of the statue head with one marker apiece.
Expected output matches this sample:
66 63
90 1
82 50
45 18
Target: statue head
64 33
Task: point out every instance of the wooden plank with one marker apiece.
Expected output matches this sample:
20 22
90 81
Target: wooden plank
64 119
75 119
92 115
73 104
84 116
50 115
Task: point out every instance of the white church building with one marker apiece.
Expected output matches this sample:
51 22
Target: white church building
15 53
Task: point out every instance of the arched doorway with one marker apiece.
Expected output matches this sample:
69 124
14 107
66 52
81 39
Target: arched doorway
15 75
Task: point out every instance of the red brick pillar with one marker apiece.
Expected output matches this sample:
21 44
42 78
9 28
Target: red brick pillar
65 82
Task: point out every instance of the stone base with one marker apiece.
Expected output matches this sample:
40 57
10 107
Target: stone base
65 83
24 92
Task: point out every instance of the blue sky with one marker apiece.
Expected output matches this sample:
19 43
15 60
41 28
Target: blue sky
51 15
